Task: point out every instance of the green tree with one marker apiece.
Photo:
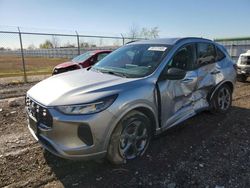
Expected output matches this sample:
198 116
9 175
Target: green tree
47 44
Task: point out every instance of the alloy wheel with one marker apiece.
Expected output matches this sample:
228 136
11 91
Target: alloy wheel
224 98
134 139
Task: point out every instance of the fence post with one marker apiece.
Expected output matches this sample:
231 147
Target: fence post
21 47
78 43
231 50
123 41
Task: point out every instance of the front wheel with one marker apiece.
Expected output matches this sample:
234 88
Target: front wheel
130 138
222 99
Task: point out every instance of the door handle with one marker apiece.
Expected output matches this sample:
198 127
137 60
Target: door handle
215 72
187 80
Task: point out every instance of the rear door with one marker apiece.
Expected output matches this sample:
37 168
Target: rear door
209 67
176 96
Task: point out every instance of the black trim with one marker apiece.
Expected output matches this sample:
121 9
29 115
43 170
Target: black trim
217 50
84 133
65 69
47 145
39 112
193 38
159 103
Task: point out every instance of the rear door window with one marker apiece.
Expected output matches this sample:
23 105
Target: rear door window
206 54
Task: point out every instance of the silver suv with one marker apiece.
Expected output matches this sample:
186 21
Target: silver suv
141 89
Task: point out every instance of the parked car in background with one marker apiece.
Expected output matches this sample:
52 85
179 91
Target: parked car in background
143 88
82 61
243 66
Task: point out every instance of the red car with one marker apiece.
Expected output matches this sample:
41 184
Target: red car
82 61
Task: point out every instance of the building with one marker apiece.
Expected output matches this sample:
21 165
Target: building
235 46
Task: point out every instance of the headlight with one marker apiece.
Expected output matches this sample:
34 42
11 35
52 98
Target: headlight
243 60
89 108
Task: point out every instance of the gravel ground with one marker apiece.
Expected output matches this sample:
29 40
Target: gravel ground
14 90
205 151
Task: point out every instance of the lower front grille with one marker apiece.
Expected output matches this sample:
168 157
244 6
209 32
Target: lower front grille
84 133
47 144
40 113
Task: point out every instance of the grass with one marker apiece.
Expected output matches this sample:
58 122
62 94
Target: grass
11 66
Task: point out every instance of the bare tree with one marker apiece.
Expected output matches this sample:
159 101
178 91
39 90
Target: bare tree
150 33
55 41
134 31
69 45
31 47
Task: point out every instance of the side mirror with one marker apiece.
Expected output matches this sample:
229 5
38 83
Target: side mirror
174 74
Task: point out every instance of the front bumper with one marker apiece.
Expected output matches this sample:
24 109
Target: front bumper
73 136
243 70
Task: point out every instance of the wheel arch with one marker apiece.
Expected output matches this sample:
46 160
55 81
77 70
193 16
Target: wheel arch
150 115
141 108
227 82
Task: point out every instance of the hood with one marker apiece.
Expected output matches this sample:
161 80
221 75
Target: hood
76 87
65 64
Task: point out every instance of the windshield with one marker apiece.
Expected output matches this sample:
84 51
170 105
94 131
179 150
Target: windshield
133 61
83 57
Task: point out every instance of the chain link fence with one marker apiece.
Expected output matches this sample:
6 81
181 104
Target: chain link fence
27 54
30 53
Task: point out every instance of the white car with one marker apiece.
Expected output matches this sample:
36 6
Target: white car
243 66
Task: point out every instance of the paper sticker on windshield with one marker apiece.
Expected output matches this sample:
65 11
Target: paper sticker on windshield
157 48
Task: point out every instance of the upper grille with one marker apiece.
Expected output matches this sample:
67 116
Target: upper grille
40 113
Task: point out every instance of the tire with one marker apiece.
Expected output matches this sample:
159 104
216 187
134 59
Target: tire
130 138
222 99
242 78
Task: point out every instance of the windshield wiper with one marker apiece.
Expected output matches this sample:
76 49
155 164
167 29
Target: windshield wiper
114 73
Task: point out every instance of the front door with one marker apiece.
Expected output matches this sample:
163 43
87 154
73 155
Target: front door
176 96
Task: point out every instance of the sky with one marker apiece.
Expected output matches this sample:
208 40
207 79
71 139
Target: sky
174 18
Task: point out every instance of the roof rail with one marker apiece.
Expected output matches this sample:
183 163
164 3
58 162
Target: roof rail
131 41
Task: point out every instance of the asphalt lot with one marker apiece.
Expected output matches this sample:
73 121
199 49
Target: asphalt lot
205 151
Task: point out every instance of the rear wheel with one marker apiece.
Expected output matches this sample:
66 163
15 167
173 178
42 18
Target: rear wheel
130 138
222 99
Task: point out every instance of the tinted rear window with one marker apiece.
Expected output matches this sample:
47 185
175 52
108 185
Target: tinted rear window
205 53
